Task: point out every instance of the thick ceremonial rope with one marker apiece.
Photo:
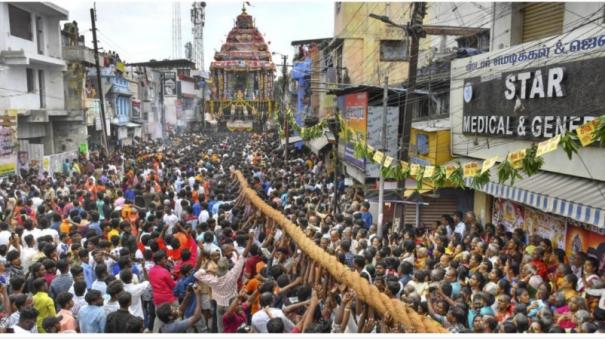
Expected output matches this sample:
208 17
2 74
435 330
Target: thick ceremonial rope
368 293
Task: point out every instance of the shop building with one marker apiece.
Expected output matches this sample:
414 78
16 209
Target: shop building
531 88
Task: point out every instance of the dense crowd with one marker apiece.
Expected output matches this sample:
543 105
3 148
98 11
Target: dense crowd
153 239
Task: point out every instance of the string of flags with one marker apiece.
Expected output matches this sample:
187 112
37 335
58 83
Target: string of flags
526 161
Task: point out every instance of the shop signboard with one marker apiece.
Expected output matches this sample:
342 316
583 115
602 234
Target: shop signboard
534 103
355 116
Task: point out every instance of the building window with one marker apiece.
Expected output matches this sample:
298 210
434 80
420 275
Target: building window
422 144
542 19
20 23
393 50
30 80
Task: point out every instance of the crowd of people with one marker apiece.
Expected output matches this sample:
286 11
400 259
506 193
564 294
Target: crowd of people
154 239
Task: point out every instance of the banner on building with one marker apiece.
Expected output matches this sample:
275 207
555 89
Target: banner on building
8 142
532 221
355 115
136 109
547 226
170 84
509 214
581 239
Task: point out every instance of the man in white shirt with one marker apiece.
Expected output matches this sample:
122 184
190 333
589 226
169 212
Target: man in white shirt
204 214
460 226
5 234
27 320
136 290
266 313
170 219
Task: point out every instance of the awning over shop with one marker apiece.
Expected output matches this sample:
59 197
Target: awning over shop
408 192
132 125
291 140
317 144
577 198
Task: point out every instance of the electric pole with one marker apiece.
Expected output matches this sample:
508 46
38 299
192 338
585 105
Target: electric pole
415 31
385 106
284 70
99 82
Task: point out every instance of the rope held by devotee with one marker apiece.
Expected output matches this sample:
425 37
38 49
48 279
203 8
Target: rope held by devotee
368 293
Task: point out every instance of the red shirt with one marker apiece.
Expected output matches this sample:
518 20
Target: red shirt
162 285
232 321
250 265
541 268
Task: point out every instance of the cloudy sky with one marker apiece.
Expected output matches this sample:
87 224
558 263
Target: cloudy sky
142 30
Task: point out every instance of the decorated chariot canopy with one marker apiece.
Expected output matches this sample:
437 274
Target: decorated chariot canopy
242 74
245 48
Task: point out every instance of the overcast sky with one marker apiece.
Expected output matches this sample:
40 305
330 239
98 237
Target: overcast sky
142 30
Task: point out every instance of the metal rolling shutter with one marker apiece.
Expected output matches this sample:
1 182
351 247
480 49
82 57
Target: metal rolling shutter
431 213
542 19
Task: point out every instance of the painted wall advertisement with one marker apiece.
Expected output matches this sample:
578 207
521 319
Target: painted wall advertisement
8 142
355 115
581 239
532 221
170 84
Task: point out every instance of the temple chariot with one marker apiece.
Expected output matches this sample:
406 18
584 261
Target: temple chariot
242 78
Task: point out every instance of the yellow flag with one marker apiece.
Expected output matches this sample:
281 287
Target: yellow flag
488 163
414 168
449 170
429 171
471 169
388 161
378 156
370 148
547 146
586 132
516 158
404 165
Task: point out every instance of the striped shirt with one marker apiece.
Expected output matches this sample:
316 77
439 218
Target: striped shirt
224 288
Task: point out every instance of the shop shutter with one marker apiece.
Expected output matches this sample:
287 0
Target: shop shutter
542 19
431 213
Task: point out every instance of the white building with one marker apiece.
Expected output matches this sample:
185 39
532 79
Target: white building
31 75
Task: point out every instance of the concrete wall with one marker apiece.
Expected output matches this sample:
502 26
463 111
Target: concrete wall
484 147
361 48
14 92
50 27
69 136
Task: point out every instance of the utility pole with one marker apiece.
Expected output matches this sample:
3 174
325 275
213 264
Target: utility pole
284 70
163 111
385 106
99 82
415 30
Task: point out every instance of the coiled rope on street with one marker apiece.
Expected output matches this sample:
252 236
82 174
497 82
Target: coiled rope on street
411 321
